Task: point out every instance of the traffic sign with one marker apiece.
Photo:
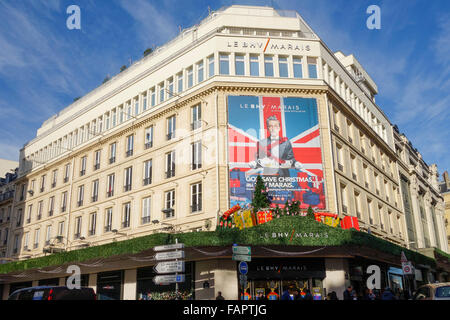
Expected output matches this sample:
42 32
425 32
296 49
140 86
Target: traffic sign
169 247
171 278
242 250
170 255
243 267
407 267
170 267
242 257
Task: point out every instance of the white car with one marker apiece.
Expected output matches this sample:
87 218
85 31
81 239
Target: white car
433 291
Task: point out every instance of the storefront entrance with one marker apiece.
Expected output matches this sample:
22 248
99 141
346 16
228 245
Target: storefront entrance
109 285
270 278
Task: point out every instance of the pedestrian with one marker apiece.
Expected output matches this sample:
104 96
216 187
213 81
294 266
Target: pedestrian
332 296
308 296
220 297
370 295
387 294
350 294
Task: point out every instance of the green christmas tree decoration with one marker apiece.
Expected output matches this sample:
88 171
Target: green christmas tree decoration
310 213
260 197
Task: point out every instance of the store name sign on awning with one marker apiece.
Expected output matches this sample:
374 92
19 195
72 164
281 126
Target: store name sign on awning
293 234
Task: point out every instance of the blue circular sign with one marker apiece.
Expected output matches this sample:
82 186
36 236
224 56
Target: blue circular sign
243 267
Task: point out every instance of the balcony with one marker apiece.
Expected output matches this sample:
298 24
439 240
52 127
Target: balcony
196 207
170 173
50 213
147 181
96 166
39 216
127 187
340 167
109 194
91 232
112 160
108 228
196 166
336 127
129 153
94 198
6 196
126 224
66 179
80 203
196 125
53 184
63 209
350 139
77 236
146 220
354 176
82 173
42 189
148 145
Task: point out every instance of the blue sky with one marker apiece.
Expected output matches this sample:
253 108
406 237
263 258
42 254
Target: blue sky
44 65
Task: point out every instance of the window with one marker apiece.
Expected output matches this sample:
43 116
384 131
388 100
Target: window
170 87
298 73
66 172
112 152
113 118
148 137
95 190
36 238
180 82
54 178
19 217
26 240
144 102
147 172
196 151
171 123
224 65
61 229
268 66
344 198
239 64
190 77
152 97
51 205
170 164
369 211
48 235
83 166
254 65
128 175
80 195
196 197
43 183
312 67
161 92
126 215
92 223
283 67
129 110
107 121
339 157
63 201
30 210
97 159
146 205
16 243
200 72
136 106
121 114
108 219
210 66
39 213
110 186
196 112
169 211
357 205
130 142
78 225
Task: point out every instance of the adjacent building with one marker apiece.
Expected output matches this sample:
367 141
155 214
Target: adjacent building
173 141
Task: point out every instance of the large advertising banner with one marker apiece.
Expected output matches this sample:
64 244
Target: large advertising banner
279 139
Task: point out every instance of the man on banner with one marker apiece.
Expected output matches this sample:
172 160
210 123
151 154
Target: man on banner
275 154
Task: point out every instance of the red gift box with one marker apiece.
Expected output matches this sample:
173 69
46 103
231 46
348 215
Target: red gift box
264 216
350 222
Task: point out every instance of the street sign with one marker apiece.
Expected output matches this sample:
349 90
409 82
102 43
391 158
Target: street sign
242 250
407 267
242 257
170 267
170 255
171 278
243 267
169 247
403 257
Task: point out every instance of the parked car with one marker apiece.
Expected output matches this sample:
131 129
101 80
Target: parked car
433 291
53 293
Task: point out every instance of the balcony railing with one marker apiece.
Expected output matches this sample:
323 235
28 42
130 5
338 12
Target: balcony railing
127 187
53 184
146 220
196 207
129 153
66 179
170 135
39 216
50 213
147 181
80 203
170 173
91 232
340 167
108 228
112 160
110 193
97 166
148 145
7 195
63 209
125 224
82 172
94 198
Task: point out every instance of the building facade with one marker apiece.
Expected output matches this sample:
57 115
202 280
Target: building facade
445 192
150 150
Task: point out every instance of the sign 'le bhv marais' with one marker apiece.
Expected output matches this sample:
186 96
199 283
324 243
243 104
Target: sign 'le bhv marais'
271 45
